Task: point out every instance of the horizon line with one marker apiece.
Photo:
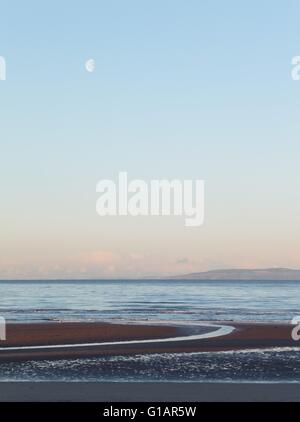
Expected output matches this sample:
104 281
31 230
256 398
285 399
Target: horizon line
157 277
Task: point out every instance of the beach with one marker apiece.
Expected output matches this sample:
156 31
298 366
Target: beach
90 348
105 333
38 341
106 392
67 341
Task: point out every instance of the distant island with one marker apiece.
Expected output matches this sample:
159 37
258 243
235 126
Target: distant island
280 274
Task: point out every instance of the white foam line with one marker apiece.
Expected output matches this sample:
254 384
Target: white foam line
222 331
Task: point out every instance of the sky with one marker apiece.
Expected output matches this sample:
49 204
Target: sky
181 89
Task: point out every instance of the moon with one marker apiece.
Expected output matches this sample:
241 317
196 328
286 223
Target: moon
90 65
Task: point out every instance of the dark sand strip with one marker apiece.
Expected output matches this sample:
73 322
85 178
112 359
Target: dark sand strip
245 336
148 392
47 333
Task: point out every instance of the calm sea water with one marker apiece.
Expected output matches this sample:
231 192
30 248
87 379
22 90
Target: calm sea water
150 300
156 300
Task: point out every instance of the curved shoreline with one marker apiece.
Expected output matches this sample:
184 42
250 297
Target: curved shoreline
80 340
222 330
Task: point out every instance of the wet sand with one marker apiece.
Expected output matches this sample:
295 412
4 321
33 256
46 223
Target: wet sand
109 392
38 334
62 335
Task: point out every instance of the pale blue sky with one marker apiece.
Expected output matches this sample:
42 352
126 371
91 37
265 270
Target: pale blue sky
182 89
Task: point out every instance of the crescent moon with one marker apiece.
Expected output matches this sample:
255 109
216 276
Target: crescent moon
90 65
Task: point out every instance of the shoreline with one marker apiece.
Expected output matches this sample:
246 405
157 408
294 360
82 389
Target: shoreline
65 340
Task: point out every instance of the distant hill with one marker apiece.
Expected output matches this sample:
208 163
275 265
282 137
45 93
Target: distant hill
282 274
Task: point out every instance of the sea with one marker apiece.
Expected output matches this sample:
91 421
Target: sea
177 301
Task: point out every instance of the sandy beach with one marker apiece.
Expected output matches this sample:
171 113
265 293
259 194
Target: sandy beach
53 341
77 340
108 392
